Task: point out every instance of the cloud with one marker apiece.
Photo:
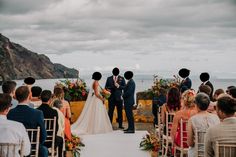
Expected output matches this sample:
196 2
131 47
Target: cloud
155 34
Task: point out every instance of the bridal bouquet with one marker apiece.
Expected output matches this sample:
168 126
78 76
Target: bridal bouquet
149 143
74 145
105 93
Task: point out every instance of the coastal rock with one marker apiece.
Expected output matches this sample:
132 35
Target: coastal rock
17 62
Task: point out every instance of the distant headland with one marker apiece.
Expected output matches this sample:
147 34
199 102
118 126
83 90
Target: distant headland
17 62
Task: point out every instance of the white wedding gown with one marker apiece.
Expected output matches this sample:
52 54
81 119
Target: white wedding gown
93 119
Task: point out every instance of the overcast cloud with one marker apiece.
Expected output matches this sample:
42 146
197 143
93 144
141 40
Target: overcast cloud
148 36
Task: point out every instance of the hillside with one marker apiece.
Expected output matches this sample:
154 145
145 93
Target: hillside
17 62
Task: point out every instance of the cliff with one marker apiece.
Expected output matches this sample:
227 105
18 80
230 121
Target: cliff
17 62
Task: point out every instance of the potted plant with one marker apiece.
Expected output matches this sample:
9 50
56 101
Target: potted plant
150 143
73 146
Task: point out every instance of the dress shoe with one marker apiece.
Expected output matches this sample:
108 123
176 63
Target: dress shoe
125 129
129 132
121 127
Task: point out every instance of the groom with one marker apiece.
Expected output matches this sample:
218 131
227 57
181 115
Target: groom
115 84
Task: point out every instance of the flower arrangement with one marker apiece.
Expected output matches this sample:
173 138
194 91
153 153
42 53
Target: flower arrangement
149 143
162 85
74 145
75 90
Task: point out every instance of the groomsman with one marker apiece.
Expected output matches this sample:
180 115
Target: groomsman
204 77
129 101
115 84
186 82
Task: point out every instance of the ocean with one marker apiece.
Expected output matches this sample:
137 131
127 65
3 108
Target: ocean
143 82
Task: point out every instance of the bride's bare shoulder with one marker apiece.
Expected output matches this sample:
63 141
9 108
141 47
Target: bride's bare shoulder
95 84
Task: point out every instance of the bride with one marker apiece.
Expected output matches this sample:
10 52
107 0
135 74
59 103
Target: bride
94 118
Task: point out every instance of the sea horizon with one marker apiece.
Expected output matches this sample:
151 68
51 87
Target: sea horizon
143 82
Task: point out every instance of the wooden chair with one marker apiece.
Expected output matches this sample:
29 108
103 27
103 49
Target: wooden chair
34 140
159 126
166 138
199 142
183 139
11 150
225 149
50 125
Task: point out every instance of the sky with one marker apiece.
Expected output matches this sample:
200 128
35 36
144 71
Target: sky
146 36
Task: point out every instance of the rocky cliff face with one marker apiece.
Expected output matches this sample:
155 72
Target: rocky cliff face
16 62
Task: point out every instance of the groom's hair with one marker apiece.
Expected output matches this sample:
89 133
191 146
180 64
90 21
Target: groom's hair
115 71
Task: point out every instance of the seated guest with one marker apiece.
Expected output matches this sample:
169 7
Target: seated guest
59 94
12 131
172 103
232 92
225 131
49 112
57 105
35 99
217 93
200 121
9 87
29 117
188 109
228 88
207 90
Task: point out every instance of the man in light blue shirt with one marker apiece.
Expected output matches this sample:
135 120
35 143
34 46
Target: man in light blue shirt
12 131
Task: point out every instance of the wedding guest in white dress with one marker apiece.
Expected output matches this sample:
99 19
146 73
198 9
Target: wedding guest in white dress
200 121
94 118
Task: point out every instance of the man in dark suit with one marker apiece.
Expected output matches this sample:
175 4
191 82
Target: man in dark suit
115 84
186 83
129 101
204 77
29 117
49 112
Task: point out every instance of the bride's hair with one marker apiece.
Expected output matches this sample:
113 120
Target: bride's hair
96 76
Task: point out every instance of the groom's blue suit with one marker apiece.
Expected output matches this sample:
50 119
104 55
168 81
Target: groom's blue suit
116 97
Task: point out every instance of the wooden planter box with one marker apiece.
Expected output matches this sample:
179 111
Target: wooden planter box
77 107
142 114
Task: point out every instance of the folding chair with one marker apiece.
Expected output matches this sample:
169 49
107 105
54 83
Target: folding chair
225 149
50 125
11 150
183 138
34 140
199 142
166 138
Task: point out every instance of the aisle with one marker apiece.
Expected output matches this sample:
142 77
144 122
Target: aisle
114 144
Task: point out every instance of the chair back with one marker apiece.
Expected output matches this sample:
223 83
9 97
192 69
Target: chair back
199 142
11 150
183 133
225 149
34 140
169 122
50 125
